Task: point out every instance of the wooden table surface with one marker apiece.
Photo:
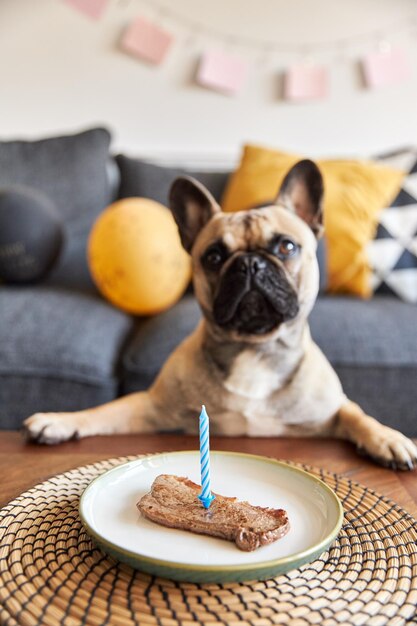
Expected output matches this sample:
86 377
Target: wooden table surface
22 465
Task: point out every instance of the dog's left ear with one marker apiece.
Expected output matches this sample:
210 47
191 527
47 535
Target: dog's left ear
192 206
302 192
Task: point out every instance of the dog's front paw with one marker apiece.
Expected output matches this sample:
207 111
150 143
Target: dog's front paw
50 428
390 448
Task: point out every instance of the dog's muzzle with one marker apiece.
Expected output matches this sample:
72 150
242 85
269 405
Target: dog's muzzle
254 296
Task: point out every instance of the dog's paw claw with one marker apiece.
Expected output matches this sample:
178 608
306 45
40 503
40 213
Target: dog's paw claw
49 428
391 449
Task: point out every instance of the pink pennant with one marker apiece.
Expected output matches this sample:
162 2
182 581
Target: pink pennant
387 67
306 81
222 72
92 8
146 41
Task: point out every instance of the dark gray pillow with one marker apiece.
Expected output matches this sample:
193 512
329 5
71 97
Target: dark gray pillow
71 170
147 180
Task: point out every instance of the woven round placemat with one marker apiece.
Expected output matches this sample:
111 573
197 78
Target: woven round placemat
52 574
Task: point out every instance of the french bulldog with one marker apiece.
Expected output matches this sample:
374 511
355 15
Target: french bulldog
251 359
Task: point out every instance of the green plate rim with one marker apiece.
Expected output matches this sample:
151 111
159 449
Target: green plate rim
174 565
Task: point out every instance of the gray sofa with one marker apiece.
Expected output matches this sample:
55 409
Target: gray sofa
63 347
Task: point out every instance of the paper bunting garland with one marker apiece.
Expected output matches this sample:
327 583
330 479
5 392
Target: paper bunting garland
226 72
306 81
92 8
386 67
146 41
222 72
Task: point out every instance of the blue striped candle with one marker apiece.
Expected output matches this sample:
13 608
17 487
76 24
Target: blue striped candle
206 497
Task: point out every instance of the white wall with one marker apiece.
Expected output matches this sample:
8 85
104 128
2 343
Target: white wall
59 71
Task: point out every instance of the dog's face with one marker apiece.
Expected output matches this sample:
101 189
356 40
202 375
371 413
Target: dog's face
253 270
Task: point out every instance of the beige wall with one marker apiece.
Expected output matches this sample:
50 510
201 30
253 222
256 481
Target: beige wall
60 71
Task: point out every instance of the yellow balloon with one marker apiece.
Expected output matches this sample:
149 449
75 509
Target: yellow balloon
136 258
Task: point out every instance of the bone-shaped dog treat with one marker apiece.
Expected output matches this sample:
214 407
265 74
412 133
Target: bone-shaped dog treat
173 502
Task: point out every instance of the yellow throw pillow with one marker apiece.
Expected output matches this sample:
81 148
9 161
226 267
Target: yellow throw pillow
354 194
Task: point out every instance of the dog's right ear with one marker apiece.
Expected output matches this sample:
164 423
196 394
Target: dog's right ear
302 192
192 206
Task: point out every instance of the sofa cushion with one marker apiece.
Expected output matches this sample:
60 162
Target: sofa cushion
59 351
147 180
377 332
371 344
73 172
373 348
153 342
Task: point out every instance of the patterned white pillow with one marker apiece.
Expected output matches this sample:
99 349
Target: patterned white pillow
393 253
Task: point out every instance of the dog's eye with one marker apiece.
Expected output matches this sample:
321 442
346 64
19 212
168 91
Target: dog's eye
214 256
285 248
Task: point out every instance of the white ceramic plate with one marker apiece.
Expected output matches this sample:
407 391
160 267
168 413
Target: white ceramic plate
109 513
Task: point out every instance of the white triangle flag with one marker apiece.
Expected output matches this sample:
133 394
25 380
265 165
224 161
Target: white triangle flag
401 222
412 246
410 185
383 254
404 282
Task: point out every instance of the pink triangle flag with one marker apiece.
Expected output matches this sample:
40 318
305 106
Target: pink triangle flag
306 81
92 8
146 40
221 71
386 67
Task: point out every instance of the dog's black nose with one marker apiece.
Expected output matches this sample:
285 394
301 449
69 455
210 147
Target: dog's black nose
250 264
